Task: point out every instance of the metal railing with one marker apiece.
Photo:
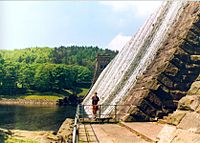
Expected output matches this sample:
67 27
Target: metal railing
81 116
100 112
76 123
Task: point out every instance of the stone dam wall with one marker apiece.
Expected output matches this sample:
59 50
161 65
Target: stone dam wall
185 120
156 68
120 76
169 77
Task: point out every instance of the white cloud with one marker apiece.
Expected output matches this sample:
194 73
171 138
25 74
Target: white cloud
138 8
118 42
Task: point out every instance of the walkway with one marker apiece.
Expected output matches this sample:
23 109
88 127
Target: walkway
143 132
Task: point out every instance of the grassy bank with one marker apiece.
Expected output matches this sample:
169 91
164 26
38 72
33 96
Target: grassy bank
46 95
35 95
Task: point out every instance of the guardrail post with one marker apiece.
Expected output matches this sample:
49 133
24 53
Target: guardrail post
99 111
82 110
77 138
75 128
115 113
78 112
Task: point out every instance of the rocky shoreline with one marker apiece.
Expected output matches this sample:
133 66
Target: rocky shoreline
66 130
63 135
27 101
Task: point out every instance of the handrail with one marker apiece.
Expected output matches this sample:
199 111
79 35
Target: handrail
113 114
109 105
80 115
75 128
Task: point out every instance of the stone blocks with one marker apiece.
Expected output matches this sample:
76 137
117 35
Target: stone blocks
169 77
191 122
189 103
176 117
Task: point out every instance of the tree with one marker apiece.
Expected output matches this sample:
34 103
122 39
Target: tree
1 73
26 75
47 69
9 83
43 78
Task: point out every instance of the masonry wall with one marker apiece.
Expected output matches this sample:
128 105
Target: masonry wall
101 62
185 120
169 77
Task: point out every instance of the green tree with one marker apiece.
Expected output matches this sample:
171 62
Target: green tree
47 69
1 73
26 75
43 78
9 83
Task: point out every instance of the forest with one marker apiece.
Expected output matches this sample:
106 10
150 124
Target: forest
45 69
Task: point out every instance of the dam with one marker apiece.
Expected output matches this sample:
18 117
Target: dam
153 84
156 68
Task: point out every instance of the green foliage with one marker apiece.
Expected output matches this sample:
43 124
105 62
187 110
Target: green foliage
1 72
28 55
9 78
3 138
26 75
47 97
52 77
47 69
83 92
74 55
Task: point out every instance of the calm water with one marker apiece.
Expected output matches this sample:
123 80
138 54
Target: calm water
34 117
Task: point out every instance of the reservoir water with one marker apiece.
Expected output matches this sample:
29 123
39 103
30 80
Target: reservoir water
35 118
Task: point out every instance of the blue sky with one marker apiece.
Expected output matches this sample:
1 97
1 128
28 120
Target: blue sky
55 23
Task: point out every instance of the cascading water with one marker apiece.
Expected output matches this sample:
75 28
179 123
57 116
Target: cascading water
119 77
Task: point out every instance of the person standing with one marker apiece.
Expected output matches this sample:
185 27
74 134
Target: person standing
95 100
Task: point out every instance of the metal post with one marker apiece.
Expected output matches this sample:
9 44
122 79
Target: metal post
75 128
78 113
82 110
77 138
115 113
99 111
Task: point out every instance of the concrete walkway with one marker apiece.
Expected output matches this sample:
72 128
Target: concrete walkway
148 130
119 133
134 132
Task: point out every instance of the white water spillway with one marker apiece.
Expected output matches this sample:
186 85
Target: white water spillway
120 76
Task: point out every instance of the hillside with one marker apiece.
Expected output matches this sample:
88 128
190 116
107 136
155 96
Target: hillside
47 69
